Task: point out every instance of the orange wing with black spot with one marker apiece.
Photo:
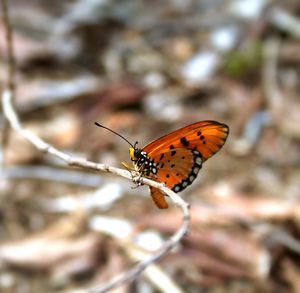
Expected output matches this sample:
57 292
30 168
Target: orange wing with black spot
179 155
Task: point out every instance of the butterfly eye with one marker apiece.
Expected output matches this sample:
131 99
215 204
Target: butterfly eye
137 153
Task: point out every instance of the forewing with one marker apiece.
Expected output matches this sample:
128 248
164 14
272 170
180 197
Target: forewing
206 136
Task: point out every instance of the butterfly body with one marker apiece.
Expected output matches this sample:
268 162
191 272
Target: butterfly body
176 158
143 164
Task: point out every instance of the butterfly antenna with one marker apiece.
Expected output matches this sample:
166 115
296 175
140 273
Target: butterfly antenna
134 146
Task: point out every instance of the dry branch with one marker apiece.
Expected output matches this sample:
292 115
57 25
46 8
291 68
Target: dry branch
43 146
12 117
10 84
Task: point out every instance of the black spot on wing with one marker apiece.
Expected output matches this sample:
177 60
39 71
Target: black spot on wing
173 153
184 141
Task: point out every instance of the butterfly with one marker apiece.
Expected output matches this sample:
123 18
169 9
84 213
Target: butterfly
175 159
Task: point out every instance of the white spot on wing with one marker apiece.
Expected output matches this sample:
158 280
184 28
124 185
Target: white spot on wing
184 184
198 161
177 188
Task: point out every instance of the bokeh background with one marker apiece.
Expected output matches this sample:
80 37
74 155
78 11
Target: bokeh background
145 68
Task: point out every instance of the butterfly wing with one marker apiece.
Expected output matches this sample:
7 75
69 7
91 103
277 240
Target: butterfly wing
205 136
158 198
179 155
176 171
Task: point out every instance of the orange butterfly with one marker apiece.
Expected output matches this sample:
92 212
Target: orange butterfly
176 158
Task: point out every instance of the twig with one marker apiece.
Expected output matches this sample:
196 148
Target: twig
40 144
43 146
140 267
135 252
12 117
10 70
10 48
154 273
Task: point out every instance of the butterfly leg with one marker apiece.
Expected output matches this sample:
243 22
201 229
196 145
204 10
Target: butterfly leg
136 174
137 179
133 172
128 168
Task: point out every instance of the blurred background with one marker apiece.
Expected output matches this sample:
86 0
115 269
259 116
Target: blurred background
145 68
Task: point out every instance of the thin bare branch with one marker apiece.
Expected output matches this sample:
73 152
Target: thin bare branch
43 146
10 48
10 72
12 117
140 267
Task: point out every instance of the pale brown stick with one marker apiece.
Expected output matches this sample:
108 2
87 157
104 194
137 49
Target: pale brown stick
140 267
10 71
43 146
10 48
12 117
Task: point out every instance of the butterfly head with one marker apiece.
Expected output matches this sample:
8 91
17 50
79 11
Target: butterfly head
137 155
141 161
135 152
